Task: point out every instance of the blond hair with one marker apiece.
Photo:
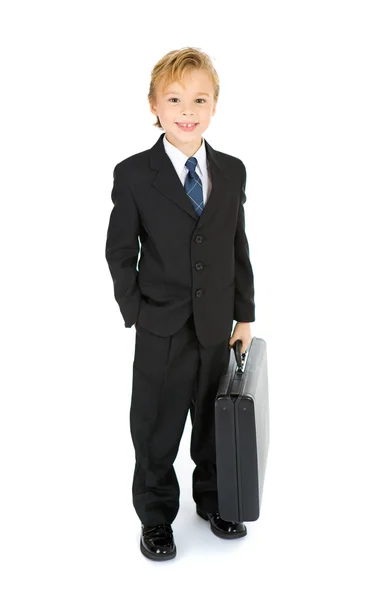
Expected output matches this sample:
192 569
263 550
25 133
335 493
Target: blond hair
173 65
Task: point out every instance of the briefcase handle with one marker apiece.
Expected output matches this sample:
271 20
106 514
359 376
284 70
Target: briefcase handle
239 355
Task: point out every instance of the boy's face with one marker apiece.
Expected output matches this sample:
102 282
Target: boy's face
192 102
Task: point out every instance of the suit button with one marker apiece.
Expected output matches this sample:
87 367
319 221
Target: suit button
199 239
199 266
199 293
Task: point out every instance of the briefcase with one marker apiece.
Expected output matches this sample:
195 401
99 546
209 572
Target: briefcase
242 432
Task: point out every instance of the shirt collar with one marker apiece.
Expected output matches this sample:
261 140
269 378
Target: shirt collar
179 159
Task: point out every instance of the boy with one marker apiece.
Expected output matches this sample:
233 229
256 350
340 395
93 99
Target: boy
184 201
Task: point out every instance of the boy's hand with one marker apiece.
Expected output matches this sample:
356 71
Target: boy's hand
241 332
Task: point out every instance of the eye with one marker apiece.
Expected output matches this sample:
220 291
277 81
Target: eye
202 99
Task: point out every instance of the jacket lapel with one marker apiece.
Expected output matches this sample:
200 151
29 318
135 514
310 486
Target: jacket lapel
168 183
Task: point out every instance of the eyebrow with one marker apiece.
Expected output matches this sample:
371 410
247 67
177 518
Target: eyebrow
197 94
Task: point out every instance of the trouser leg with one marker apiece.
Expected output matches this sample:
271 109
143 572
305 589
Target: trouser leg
213 362
164 372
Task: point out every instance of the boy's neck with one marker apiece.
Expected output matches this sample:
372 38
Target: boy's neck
188 148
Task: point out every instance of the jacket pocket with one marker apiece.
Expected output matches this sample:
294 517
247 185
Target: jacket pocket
227 287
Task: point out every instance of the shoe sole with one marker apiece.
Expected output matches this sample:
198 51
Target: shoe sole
153 556
221 534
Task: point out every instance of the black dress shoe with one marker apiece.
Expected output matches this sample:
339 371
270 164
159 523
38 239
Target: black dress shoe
221 528
157 542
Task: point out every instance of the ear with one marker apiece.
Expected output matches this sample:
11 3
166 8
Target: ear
153 109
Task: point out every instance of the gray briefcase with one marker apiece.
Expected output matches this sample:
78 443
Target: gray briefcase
242 432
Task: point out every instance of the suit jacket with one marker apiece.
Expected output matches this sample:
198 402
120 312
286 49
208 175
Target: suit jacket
187 263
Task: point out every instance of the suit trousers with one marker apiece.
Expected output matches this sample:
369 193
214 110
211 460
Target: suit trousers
171 376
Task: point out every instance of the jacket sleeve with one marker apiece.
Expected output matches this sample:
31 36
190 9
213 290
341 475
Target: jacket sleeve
244 306
122 247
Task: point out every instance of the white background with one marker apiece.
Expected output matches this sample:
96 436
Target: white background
301 106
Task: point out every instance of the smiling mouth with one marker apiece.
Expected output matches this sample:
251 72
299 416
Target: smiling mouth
186 125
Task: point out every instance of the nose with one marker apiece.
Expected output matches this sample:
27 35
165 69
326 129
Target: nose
187 110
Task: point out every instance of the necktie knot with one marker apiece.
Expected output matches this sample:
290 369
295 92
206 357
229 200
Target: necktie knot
191 164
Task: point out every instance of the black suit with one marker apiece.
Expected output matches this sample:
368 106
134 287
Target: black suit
194 279
188 264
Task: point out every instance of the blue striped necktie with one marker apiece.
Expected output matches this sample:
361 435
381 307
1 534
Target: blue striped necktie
193 186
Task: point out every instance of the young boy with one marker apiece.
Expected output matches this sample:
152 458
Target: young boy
184 201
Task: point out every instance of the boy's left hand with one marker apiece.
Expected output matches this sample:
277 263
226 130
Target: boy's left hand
242 331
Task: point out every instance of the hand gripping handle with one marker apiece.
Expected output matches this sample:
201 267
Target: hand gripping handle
239 355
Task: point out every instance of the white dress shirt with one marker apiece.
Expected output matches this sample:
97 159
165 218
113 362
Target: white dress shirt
178 159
